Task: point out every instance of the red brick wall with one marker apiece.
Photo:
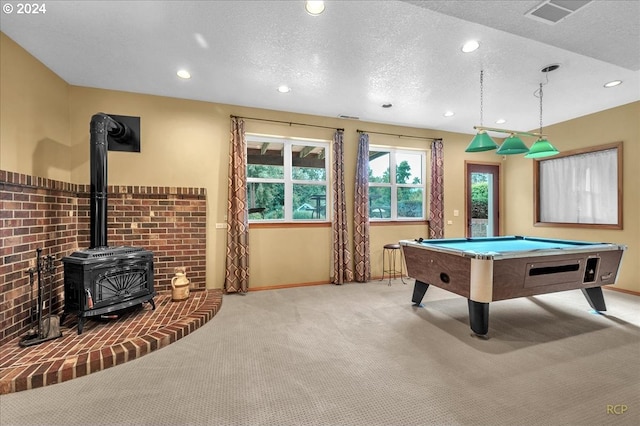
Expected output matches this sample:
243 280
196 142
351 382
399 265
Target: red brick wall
34 213
170 222
52 215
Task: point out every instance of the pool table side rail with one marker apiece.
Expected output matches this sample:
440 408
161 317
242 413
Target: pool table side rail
428 267
507 238
451 270
576 249
511 277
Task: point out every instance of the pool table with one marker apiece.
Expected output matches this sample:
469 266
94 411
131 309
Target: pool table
485 270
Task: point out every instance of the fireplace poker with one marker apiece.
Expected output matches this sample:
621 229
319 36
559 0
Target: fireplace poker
50 322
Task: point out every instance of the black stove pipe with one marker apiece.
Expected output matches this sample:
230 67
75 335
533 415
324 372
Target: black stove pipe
101 126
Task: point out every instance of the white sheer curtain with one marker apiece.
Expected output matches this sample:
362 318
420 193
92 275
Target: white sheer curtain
580 188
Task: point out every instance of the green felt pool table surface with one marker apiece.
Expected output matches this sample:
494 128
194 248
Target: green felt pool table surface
506 244
511 246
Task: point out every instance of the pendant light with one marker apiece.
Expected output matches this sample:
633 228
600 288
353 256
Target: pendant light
481 141
512 145
542 147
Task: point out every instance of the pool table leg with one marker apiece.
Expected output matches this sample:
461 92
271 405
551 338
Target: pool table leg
419 290
479 317
595 298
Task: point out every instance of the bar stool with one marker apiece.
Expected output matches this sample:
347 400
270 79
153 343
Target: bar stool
389 252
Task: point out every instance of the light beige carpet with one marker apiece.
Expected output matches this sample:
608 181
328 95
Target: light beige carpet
361 354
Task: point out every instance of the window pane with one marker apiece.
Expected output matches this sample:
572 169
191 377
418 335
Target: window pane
379 202
308 163
265 160
287 179
266 200
309 202
409 168
379 167
580 188
410 202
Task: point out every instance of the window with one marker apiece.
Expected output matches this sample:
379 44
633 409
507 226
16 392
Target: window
396 184
287 179
581 188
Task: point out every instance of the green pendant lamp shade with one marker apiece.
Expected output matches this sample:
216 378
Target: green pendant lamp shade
512 145
481 142
542 148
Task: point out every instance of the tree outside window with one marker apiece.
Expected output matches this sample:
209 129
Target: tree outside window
396 184
286 179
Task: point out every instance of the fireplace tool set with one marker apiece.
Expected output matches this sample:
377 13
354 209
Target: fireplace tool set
45 327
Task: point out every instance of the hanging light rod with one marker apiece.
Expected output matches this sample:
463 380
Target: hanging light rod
515 132
513 144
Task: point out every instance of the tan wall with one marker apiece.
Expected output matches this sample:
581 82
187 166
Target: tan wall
185 143
617 124
34 135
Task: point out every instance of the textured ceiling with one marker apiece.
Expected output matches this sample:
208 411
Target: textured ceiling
350 60
604 30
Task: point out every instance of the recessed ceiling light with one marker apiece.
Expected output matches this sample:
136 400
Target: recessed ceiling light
284 89
613 83
314 8
387 105
470 46
449 114
184 74
501 121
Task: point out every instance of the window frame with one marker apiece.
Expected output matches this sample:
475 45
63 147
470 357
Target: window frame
288 181
393 151
537 174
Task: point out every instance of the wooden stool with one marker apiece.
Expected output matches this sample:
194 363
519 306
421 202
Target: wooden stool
389 251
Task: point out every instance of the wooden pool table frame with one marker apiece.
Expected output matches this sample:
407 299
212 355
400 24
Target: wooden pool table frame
487 277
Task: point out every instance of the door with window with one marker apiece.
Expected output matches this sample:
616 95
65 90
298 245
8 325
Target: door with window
482 199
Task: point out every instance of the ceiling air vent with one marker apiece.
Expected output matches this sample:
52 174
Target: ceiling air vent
554 11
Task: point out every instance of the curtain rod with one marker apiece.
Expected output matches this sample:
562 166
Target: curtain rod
290 123
400 136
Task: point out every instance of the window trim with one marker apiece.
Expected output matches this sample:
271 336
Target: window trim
394 185
288 180
617 146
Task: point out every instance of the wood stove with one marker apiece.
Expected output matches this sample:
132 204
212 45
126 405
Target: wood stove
102 279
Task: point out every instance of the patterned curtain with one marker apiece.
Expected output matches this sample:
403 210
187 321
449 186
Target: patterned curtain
361 213
341 256
237 270
436 209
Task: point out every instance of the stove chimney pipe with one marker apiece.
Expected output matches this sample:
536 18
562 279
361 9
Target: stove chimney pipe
101 126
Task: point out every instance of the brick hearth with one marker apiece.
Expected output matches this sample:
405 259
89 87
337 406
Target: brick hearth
104 343
52 215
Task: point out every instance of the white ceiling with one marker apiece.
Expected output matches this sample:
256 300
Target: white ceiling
350 60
